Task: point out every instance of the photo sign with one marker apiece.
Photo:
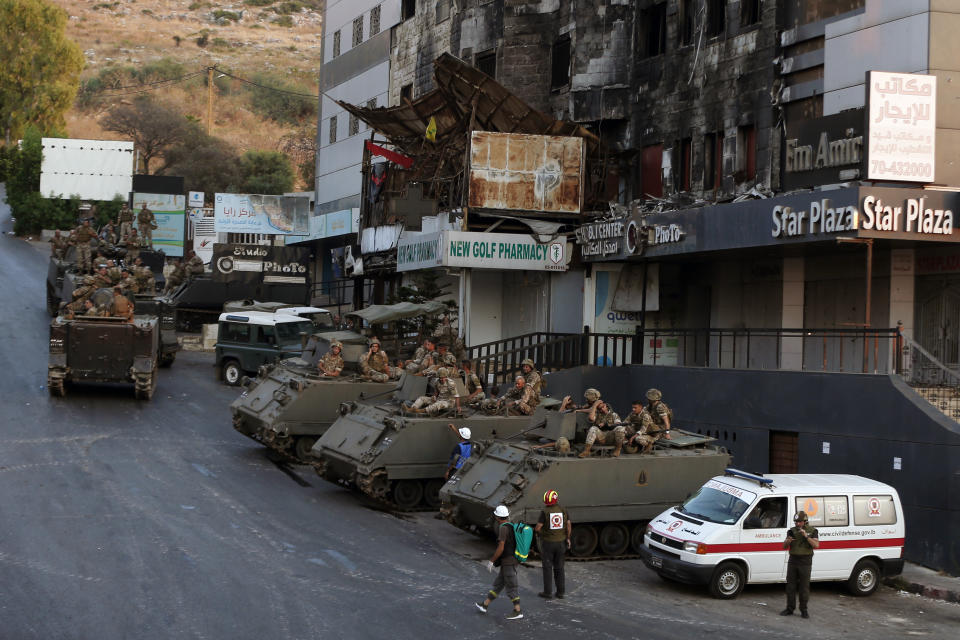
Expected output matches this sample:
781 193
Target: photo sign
252 213
901 126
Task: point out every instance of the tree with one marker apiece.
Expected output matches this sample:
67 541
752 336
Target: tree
153 127
266 172
301 147
207 163
40 68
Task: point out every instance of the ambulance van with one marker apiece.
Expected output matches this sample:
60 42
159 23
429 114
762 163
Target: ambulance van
731 531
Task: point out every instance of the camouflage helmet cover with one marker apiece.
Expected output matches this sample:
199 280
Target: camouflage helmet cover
450 359
527 363
442 372
374 341
563 445
336 343
591 394
654 394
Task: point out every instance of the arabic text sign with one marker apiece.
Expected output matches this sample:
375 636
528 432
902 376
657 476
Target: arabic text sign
251 213
902 126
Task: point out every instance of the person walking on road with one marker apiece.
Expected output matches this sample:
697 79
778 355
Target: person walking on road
504 558
801 540
554 542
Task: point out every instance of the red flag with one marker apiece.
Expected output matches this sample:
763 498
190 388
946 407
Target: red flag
402 160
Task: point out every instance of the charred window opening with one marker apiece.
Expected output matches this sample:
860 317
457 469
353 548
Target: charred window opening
357 31
686 159
709 161
354 125
375 20
333 129
406 93
408 9
487 62
442 10
651 171
747 152
687 22
749 12
560 64
716 17
654 21
336 43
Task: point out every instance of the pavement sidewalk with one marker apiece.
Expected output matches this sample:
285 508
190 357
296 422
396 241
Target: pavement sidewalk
926 582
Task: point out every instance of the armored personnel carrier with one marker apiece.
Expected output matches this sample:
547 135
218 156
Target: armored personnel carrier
401 460
151 305
62 277
288 406
98 349
609 500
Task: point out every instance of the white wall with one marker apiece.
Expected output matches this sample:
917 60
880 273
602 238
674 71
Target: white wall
887 36
485 306
340 15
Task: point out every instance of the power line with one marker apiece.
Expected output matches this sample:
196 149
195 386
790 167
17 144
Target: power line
262 86
149 86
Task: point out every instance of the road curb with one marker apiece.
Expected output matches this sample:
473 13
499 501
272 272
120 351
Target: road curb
927 591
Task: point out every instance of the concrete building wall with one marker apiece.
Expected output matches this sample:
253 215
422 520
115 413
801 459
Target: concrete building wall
416 43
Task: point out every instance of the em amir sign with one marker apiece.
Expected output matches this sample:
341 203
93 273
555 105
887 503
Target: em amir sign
504 251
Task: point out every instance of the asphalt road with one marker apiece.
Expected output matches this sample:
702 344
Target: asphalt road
122 519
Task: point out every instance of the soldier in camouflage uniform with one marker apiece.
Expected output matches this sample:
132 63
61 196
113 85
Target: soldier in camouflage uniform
58 245
607 422
531 375
662 414
375 364
146 223
175 278
423 358
146 283
445 397
193 266
471 383
121 306
331 364
131 242
108 234
102 277
640 422
125 220
128 284
113 272
519 400
83 235
592 397
85 290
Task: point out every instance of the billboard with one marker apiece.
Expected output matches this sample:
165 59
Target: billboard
901 126
263 214
169 211
473 250
90 169
253 264
524 172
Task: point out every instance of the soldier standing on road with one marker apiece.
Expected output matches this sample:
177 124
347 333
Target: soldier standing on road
332 364
146 223
607 421
554 542
662 414
503 557
801 540
125 219
84 234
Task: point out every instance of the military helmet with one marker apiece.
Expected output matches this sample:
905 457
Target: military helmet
336 343
450 359
527 362
501 512
591 394
654 394
563 445
550 497
443 372
374 341
801 516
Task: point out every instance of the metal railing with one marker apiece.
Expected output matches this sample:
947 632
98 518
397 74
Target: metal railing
851 350
933 380
337 295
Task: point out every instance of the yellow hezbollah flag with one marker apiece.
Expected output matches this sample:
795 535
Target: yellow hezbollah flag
432 129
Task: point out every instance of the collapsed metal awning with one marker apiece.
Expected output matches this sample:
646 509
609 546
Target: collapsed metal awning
381 313
464 94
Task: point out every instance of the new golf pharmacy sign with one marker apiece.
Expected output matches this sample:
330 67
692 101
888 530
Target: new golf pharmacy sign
472 250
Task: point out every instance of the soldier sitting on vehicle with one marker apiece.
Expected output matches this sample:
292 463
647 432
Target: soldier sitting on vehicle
122 307
519 400
375 364
641 424
331 364
131 242
194 265
146 283
662 414
58 245
471 383
128 284
423 358
176 277
445 396
532 375
607 422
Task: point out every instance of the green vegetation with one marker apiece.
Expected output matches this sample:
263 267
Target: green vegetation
222 14
283 21
106 5
41 67
220 43
198 5
281 107
286 8
266 172
258 3
124 76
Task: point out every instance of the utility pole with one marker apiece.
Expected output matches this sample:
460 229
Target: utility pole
209 99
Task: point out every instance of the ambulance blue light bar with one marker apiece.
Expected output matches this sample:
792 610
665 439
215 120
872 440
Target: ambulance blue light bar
730 471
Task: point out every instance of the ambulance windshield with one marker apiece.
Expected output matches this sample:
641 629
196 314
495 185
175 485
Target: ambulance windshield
718 502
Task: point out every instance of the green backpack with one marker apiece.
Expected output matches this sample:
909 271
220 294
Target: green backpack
523 538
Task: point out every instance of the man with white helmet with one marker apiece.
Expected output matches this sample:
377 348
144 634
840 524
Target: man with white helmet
503 557
331 364
445 396
461 451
